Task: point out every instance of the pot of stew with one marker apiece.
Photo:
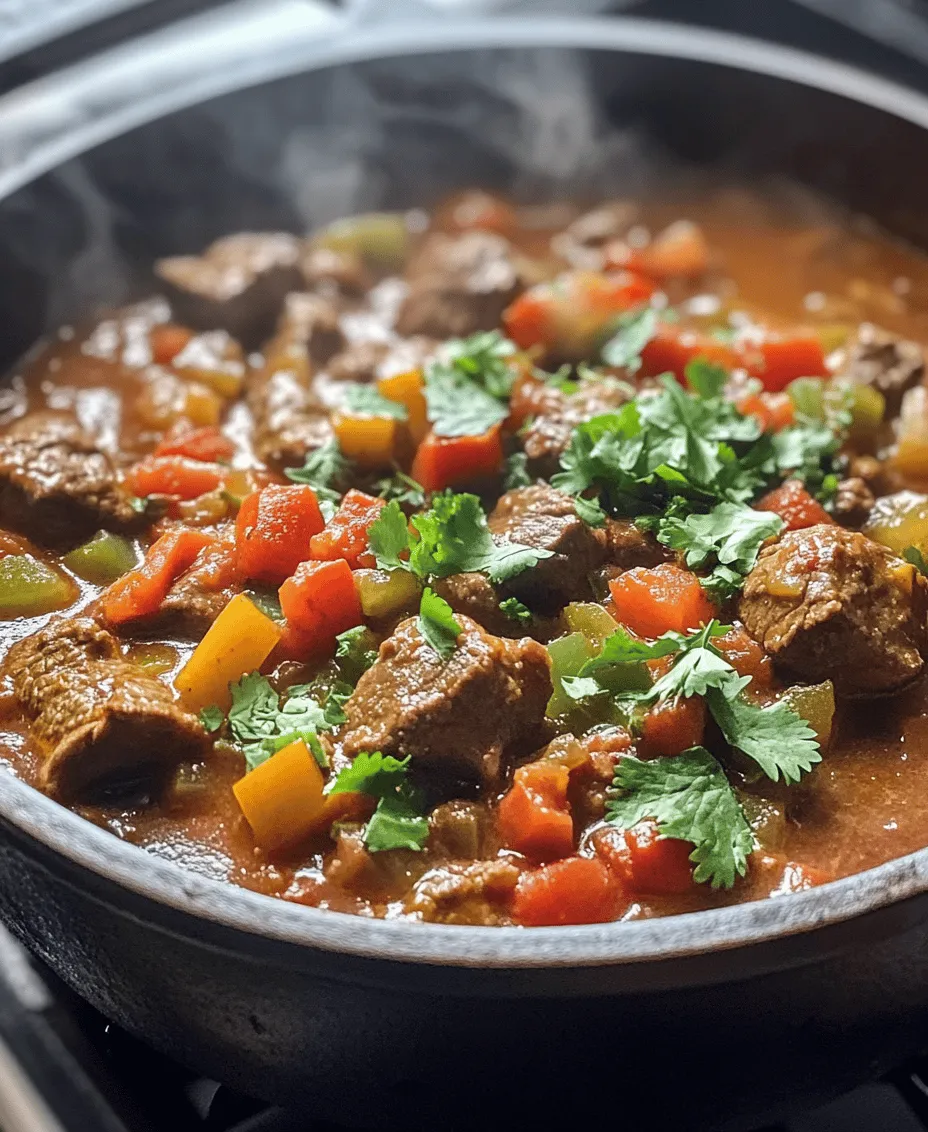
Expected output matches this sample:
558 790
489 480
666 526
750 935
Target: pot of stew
463 576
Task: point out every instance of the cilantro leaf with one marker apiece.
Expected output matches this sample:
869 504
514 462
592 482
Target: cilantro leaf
691 799
326 471
706 379
388 536
914 555
516 611
775 737
368 401
212 718
437 624
355 651
515 473
397 822
633 332
699 667
590 511
622 648
402 488
261 724
458 406
485 358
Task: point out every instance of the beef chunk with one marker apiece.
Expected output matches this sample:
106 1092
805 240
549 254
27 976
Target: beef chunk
465 892
311 323
540 517
56 486
334 273
475 596
853 502
627 546
558 413
583 241
888 363
827 603
459 284
96 719
457 716
368 361
238 284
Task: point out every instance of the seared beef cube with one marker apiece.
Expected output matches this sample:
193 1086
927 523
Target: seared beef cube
456 717
368 361
853 502
465 892
96 719
459 284
475 596
334 273
548 434
56 486
238 284
888 363
289 421
582 242
545 519
311 323
830 604
627 546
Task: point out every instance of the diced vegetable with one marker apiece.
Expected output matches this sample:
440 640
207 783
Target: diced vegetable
448 461
406 389
154 657
672 727
273 531
654 601
369 441
681 249
899 521
577 890
795 506
571 315
767 820
345 534
207 444
866 405
142 590
746 657
568 655
815 703
102 560
808 397
282 799
911 454
167 341
774 411
29 587
590 619
178 476
534 816
672 349
776 361
381 239
214 360
647 863
167 399
386 592
320 600
238 641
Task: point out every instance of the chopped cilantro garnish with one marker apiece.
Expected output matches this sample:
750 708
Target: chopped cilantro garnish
515 473
388 536
402 488
437 623
691 799
516 611
212 718
775 737
261 723
355 651
590 511
484 357
398 821
704 378
914 555
367 400
633 332
467 387
326 471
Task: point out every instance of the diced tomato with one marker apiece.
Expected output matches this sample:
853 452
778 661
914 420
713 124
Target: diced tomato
207 444
794 505
672 349
680 250
273 531
321 601
142 590
672 727
571 314
645 862
746 656
653 601
577 890
167 341
777 361
774 411
534 817
447 461
345 534
177 476
215 567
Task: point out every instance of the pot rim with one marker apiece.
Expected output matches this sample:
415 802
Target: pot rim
633 942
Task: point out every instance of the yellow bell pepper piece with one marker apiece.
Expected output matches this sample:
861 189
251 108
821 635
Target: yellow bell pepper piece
282 799
238 641
406 388
370 441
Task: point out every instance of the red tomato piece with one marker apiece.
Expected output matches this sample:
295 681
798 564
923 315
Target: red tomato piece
672 727
672 349
167 341
273 531
577 890
534 817
746 656
321 601
142 590
794 505
176 476
653 601
447 461
774 411
645 862
206 443
345 534
777 361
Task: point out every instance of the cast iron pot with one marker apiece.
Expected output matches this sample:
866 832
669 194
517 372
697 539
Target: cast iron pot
714 1019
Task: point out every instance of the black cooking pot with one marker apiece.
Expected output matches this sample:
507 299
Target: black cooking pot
708 1019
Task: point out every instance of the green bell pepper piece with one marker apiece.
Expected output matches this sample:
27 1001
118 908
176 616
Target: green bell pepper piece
102 560
29 588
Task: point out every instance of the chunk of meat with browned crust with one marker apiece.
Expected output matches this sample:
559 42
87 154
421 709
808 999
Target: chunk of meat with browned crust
57 487
238 284
96 719
311 323
830 604
853 502
289 418
546 519
547 435
582 243
627 546
458 285
889 363
475 596
465 892
334 273
458 716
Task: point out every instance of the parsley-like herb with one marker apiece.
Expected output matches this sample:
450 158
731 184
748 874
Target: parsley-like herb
212 718
774 737
402 488
467 386
691 799
388 537
633 332
437 623
590 511
515 473
262 724
326 471
368 401
355 651
914 555
516 611
398 821
485 358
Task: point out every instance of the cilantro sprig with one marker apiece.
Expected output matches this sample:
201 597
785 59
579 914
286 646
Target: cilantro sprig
437 623
327 471
398 821
368 401
467 387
